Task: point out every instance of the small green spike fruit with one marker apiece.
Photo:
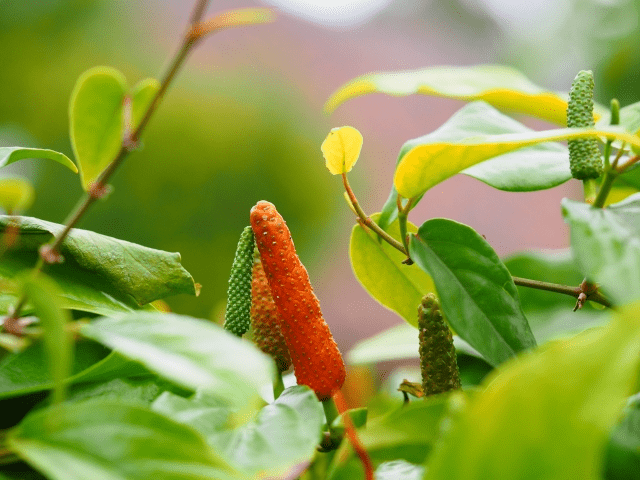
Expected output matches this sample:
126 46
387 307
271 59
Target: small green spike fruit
584 155
237 318
437 354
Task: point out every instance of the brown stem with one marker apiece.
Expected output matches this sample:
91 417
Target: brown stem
367 221
591 294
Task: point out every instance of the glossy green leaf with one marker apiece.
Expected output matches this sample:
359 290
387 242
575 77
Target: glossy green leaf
546 414
399 470
503 87
406 433
142 94
533 168
43 295
378 267
141 391
476 291
103 439
9 155
96 120
27 372
425 166
622 459
282 435
606 243
397 343
16 194
192 353
341 149
78 289
115 268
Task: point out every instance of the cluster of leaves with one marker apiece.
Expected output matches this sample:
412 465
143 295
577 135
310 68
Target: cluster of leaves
141 393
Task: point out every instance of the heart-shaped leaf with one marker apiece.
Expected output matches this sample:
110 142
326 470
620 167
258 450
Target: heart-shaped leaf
378 267
96 120
476 291
282 435
503 87
427 165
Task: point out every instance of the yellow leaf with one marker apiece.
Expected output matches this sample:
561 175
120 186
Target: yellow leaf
427 165
16 194
341 149
503 87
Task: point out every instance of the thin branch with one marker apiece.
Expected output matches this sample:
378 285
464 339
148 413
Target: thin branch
98 188
367 221
593 295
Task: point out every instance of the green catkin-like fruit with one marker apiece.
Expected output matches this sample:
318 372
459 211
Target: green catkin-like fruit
237 317
437 354
584 154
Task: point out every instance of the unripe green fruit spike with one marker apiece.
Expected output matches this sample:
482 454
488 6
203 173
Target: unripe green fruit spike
584 155
437 354
237 318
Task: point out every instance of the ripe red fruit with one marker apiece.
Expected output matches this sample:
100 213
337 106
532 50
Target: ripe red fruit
315 355
265 322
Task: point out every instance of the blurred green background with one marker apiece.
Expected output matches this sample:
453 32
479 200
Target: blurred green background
244 120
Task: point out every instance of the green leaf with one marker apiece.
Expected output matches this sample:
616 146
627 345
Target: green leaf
622 459
476 291
27 371
43 295
142 94
108 440
546 414
607 246
537 167
399 470
282 435
16 194
378 267
427 165
9 155
115 268
192 353
503 87
96 120
406 433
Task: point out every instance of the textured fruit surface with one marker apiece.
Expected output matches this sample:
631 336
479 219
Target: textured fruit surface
437 354
315 355
237 317
584 155
265 320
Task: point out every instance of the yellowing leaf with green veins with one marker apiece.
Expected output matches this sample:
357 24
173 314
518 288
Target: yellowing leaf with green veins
429 164
96 120
16 194
341 149
503 87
